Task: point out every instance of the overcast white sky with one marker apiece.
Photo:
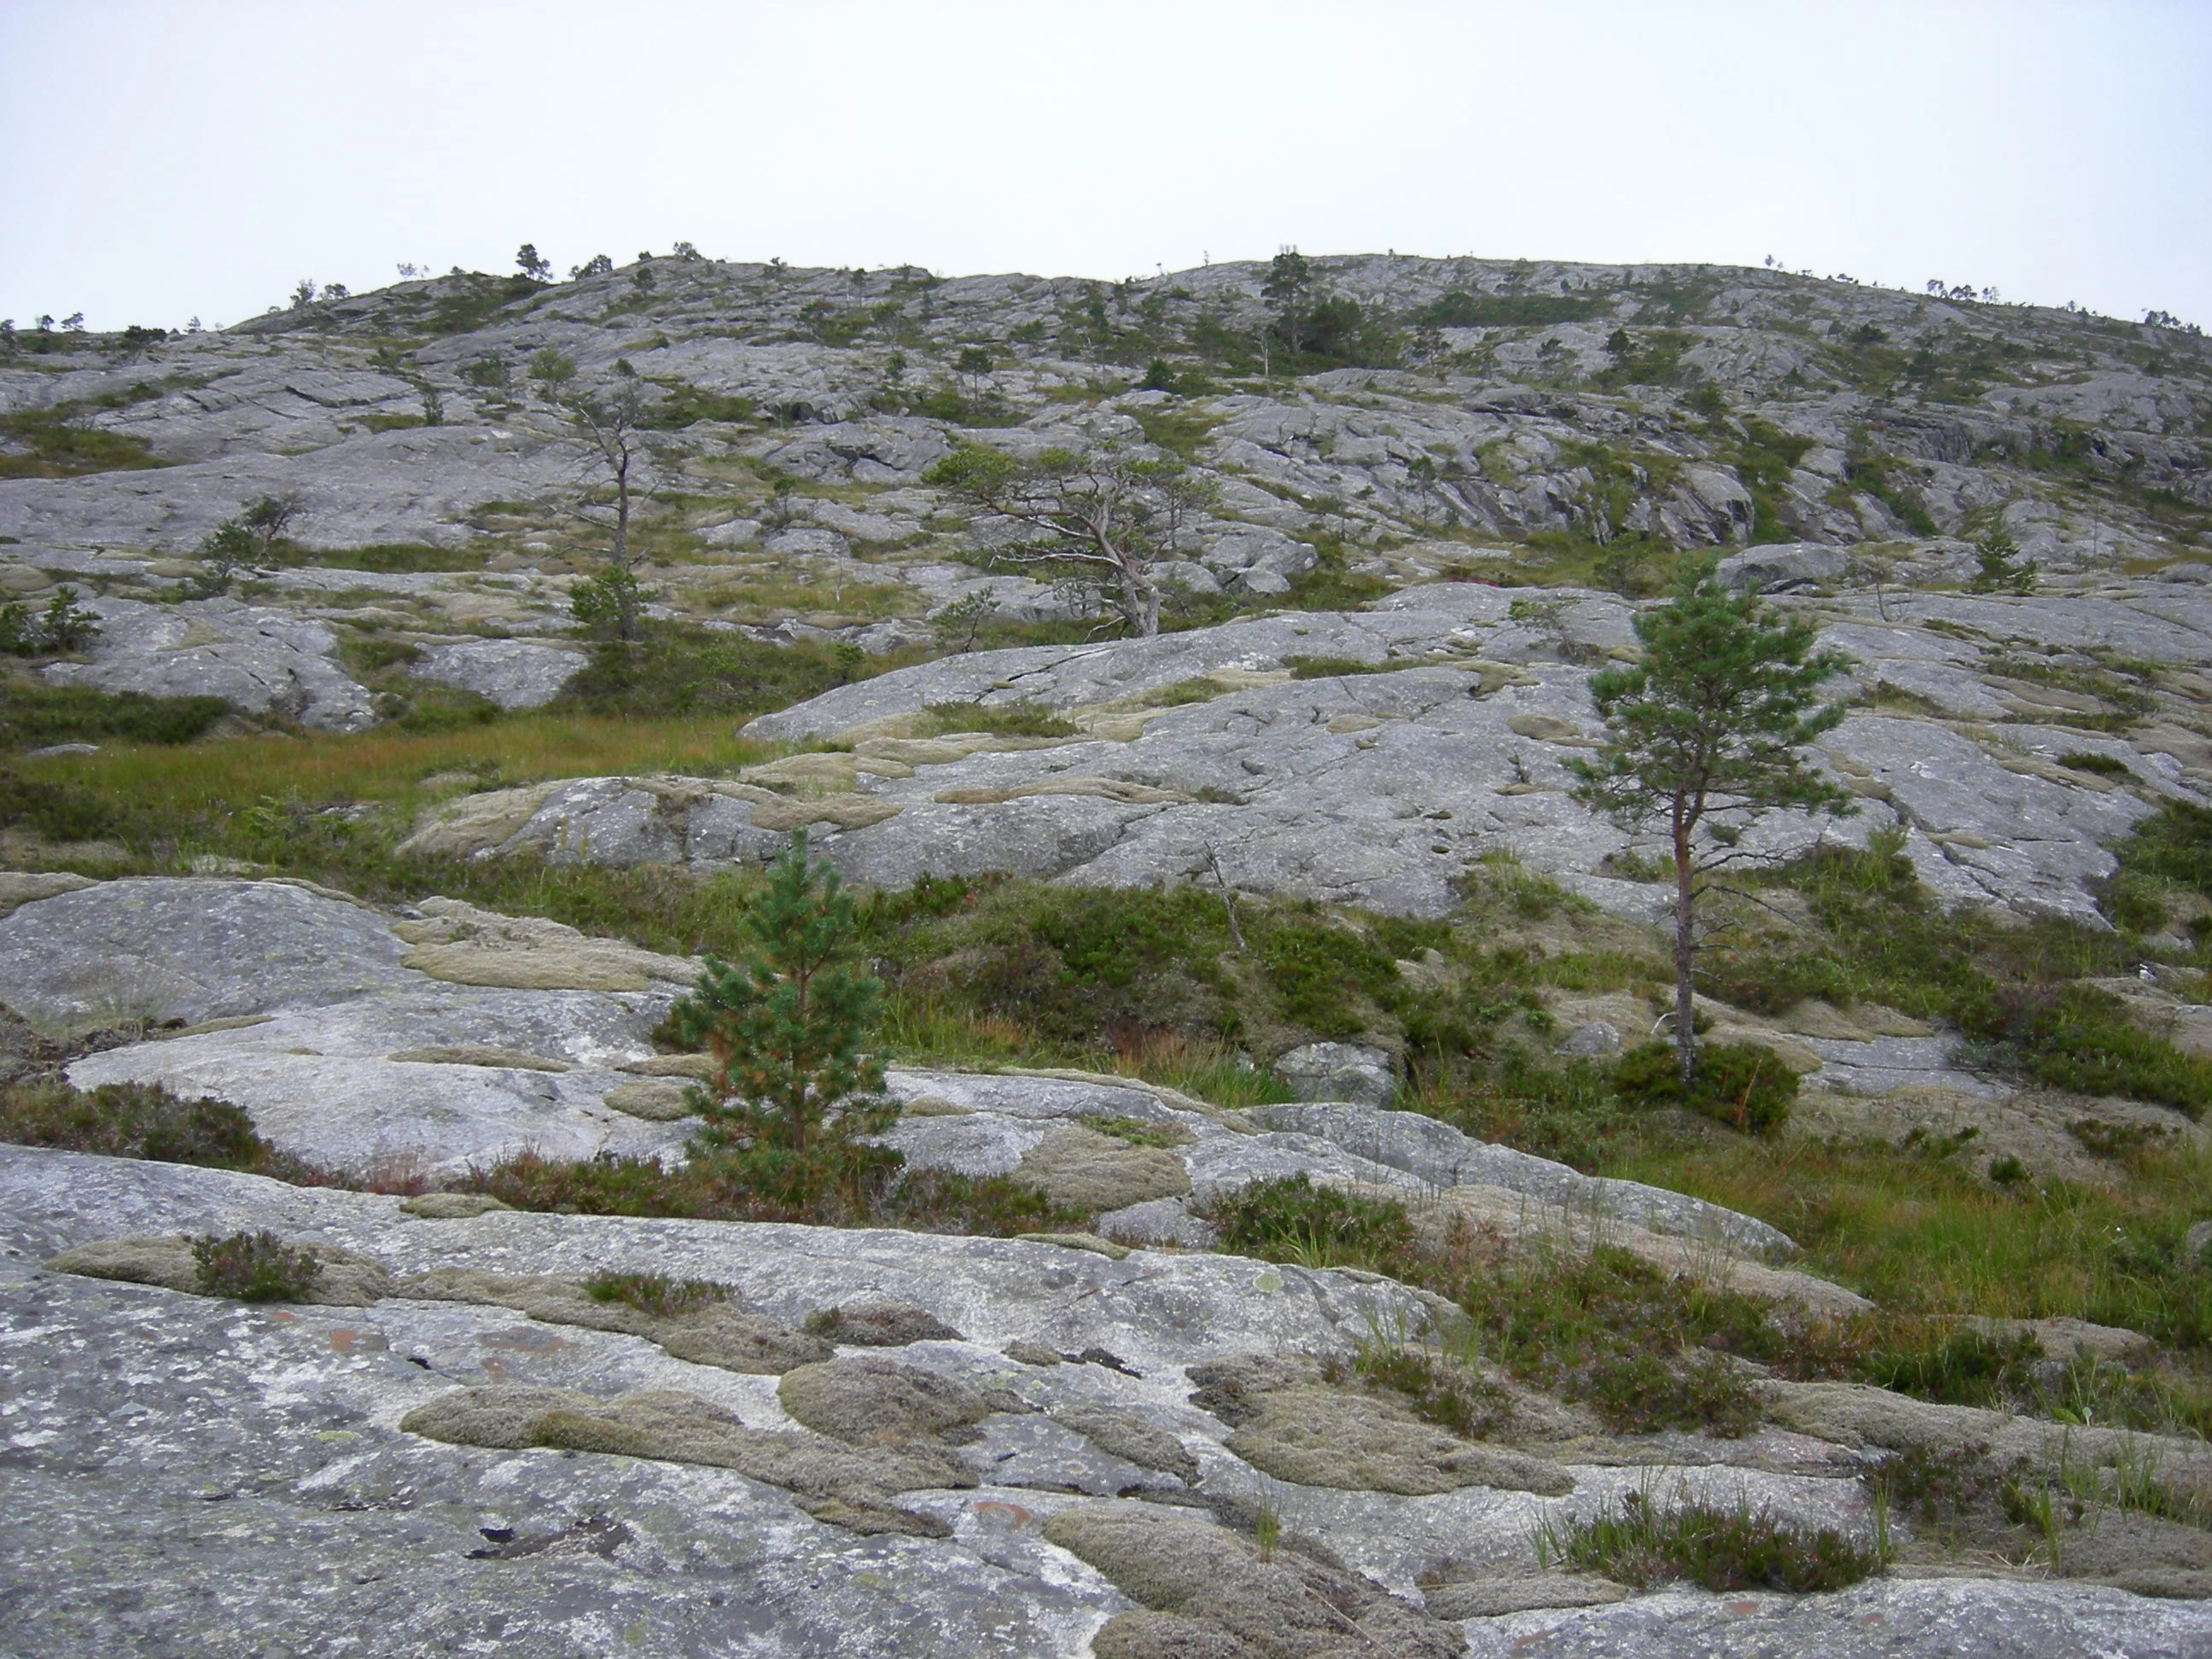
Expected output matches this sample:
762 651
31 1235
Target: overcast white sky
165 159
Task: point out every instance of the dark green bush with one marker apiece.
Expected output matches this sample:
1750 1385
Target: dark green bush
674 668
2082 1038
1075 965
1643 1348
1645 1393
132 1120
927 1200
1329 668
1321 971
1291 1219
33 715
54 811
254 1268
1006 719
1640 1541
1739 1084
1963 1367
1440 1391
1459 309
2084 760
2173 845
656 1293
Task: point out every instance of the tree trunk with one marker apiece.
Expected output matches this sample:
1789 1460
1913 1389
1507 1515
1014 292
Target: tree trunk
1685 923
1140 601
621 512
626 615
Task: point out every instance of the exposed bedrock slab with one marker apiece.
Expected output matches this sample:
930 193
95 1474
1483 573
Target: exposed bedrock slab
189 1448
1373 788
342 1052
457 1037
1988 1619
513 673
405 486
260 658
1437 1155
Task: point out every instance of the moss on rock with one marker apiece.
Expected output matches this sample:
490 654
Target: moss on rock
1165 1636
450 1207
345 1278
877 1324
1131 1437
1290 1607
835 1483
869 1401
1323 1437
1082 1169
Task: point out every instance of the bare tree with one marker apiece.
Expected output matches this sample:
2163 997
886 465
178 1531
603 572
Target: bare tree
1103 512
608 419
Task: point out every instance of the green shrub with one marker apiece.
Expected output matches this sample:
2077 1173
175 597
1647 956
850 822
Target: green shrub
1643 1349
392 557
2083 1038
53 812
2110 766
1637 1541
1646 1393
1076 965
1291 1219
254 1268
33 715
674 668
60 448
1963 1367
925 1200
1329 668
1321 971
656 1293
1459 309
2175 845
1439 1389
132 1119
1741 1084
1006 719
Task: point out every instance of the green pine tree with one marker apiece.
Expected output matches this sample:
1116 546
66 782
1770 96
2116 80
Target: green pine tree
789 1025
1703 735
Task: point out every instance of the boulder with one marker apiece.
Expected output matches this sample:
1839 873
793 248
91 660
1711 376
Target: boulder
1339 1071
512 673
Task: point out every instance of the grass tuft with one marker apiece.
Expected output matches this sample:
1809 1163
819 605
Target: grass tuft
656 1293
1639 1541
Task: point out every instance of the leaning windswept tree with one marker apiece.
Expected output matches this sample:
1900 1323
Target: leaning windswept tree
1703 734
1103 514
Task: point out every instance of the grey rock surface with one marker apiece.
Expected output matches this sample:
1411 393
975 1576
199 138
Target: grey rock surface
363 1042
259 658
1339 1071
1380 789
513 673
187 1446
1436 1155
1867 1621
342 1055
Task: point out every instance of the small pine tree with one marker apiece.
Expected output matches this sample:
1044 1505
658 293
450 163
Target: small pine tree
788 1026
1703 735
66 625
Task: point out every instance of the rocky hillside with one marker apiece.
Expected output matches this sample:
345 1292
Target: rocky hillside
469 1423
1287 1252
1384 420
